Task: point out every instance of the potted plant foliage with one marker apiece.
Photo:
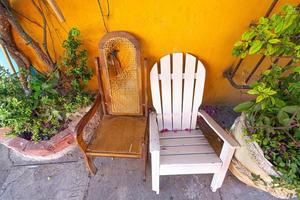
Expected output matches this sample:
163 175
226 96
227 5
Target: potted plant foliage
34 116
269 128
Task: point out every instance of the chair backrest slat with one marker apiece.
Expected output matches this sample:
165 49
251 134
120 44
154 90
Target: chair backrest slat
198 96
165 76
189 79
177 91
156 92
177 69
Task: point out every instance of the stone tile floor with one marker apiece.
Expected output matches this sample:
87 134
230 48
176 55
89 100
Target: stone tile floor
117 179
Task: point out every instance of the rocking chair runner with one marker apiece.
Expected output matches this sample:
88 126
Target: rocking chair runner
176 145
123 102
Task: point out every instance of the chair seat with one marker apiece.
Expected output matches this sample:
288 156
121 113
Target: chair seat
119 136
187 152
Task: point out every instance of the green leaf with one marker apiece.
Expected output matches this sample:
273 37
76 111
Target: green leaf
243 106
265 141
282 116
279 27
255 46
253 92
291 109
274 41
248 35
263 20
260 98
282 164
297 69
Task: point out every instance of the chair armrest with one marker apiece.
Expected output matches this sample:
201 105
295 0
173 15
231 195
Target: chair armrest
154 133
84 121
218 129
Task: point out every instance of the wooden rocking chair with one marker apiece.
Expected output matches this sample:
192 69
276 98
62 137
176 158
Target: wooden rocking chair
176 145
122 131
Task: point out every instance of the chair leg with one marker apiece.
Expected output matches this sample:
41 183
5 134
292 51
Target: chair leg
155 171
145 160
225 156
90 164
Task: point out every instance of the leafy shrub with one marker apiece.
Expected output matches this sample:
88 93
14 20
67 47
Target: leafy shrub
273 117
44 110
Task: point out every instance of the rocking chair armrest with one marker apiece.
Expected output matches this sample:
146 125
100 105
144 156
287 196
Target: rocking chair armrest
84 121
218 129
154 133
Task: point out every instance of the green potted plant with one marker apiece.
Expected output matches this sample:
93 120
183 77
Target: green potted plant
269 128
36 119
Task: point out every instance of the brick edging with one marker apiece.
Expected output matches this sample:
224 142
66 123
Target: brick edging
56 144
44 149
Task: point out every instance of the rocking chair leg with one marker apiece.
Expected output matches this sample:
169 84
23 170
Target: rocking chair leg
90 164
145 162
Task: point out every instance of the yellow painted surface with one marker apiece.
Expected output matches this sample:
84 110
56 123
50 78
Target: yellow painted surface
207 29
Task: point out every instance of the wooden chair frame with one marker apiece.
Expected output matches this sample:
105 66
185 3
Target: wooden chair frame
102 104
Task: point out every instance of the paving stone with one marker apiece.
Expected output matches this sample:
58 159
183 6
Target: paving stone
3 176
233 189
122 179
51 182
5 162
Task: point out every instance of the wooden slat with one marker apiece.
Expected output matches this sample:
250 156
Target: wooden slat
156 100
189 164
177 90
190 159
218 129
182 150
189 169
181 134
165 70
199 88
190 63
154 135
183 141
119 135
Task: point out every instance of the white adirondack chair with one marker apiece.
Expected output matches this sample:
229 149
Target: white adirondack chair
176 146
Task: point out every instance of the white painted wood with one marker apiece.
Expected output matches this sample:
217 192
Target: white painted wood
186 150
189 169
155 170
154 150
189 79
154 135
183 152
155 92
226 156
198 93
190 159
165 74
181 134
177 72
218 129
182 141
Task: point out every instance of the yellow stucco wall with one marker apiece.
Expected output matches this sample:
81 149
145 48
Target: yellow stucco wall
207 29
